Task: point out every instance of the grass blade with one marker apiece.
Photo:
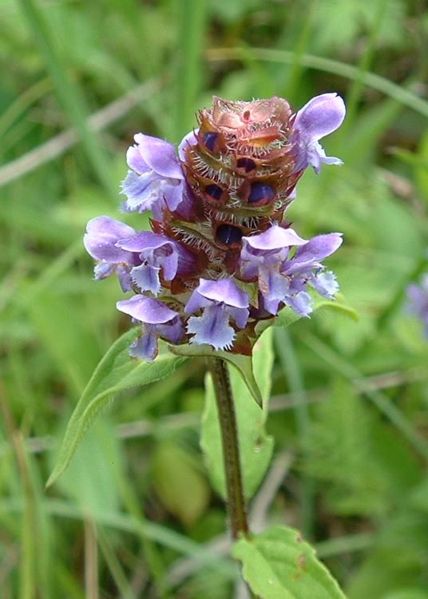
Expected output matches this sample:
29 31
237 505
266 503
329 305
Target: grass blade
68 93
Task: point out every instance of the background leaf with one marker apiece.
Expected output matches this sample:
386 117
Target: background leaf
179 483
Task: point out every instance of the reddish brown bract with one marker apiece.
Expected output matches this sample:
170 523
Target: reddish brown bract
241 174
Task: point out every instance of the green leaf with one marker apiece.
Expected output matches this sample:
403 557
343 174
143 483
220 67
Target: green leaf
255 445
175 472
91 479
278 564
242 363
115 372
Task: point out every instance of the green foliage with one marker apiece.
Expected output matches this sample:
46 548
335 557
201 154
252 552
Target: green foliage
179 483
256 445
356 478
116 372
365 468
279 564
340 22
87 481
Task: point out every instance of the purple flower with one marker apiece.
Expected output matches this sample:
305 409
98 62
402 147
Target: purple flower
100 239
311 254
283 276
325 282
220 301
208 254
156 253
155 179
191 139
319 117
158 321
417 305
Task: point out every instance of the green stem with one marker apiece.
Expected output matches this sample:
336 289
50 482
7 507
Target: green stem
229 436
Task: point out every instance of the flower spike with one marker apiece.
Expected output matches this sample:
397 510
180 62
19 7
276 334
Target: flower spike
220 255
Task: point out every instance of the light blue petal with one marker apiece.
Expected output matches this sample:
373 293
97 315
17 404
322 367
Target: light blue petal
212 328
146 277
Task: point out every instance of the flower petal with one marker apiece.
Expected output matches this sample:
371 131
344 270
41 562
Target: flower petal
141 191
146 309
274 238
325 283
101 236
190 139
313 252
274 288
145 240
146 346
320 116
146 277
314 155
195 302
159 155
212 328
301 303
173 331
225 291
167 258
239 315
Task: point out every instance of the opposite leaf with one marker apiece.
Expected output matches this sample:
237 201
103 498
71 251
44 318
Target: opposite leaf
278 564
115 372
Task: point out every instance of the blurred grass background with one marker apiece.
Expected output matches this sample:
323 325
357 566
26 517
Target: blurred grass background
134 515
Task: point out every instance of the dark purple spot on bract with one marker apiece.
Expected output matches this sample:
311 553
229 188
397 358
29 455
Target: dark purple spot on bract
260 192
246 163
228 234
210 139
214 191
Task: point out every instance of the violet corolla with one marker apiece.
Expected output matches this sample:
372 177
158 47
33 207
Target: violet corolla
417 301
220 256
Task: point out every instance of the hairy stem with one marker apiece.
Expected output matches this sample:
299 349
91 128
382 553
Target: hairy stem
229 435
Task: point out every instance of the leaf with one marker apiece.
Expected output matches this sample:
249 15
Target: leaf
365 468
175 472
91 479
242 363
278 564
115 372
255 445
338 305
74 352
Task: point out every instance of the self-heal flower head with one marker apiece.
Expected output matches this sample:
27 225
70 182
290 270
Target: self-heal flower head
283 275
220 301
100 239
158 321
220 255
155 179
319 117
417 301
